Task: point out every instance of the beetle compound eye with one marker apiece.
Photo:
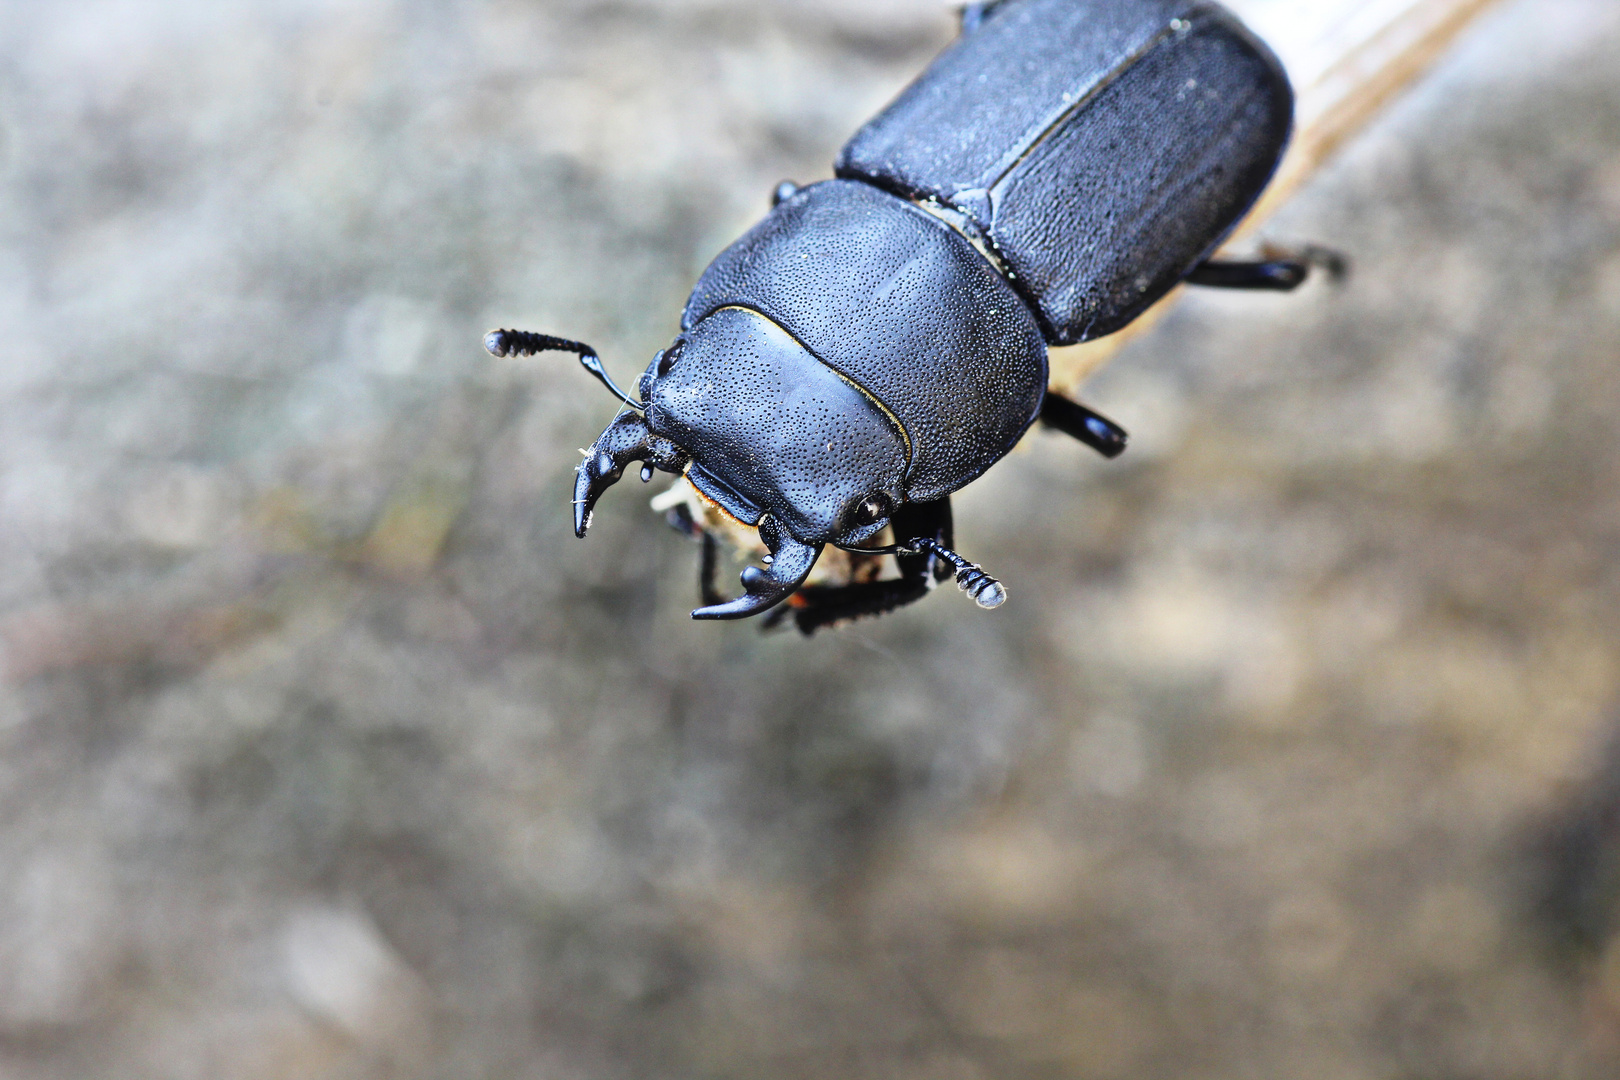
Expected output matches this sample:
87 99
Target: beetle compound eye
666 359
869 511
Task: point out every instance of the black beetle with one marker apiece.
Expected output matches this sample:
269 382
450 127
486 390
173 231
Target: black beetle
879 340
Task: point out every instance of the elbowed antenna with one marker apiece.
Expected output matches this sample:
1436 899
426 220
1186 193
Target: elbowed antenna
525 343
986 591
790 563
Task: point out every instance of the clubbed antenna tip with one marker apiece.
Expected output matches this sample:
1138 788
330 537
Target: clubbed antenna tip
526 343
985 590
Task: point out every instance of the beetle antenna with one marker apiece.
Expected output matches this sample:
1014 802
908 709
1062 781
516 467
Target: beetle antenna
986 591
525 343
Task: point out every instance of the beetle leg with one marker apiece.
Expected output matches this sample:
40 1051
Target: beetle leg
819 606
973 15
708 568
1279 275
1091 428
1283 272
680 519
791 563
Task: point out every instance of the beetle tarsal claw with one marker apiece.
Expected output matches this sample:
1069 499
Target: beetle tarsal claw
624 441
790 563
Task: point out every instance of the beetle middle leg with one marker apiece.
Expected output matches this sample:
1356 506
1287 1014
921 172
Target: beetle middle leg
972 16
819 606
1281 271
1079 422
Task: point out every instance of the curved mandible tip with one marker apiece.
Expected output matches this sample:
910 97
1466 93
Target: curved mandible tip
791 562
624 441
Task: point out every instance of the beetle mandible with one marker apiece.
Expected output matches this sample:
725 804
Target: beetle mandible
879 340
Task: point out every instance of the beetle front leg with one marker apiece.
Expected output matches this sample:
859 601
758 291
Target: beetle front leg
1284 272
708 570
681 520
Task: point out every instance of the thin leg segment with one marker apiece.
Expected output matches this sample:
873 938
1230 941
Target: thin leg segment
709 572
1284 272
973 15
680 519
1077 421
1277 275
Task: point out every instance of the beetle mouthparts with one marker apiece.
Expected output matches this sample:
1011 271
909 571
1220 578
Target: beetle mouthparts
790 563
627 439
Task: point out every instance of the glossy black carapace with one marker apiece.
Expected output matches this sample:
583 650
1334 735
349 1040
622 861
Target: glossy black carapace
879 340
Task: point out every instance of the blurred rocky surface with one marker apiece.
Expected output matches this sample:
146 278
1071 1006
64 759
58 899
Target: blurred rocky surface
325 750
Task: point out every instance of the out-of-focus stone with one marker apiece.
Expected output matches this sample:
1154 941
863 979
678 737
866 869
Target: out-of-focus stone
337 966
1454 929
61 944
1308 935
1110 754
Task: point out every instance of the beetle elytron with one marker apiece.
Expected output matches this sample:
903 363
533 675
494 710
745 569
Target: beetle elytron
879 340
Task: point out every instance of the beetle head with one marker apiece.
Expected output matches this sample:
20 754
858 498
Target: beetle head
768 432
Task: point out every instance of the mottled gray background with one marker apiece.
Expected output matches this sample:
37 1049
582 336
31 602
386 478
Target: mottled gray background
326 751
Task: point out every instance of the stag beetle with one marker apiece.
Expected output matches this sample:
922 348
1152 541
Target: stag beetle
879 340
